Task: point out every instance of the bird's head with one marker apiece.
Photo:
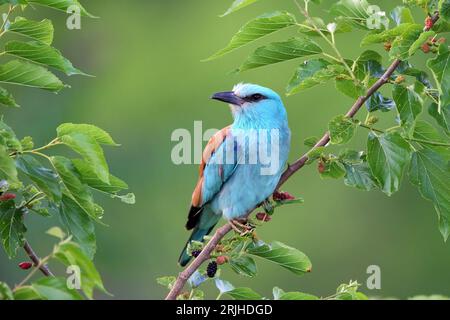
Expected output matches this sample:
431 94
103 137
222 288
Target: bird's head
252 100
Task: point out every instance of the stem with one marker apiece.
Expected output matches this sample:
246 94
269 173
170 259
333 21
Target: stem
331 43
38 263
10 10
292 169
433 143
52 143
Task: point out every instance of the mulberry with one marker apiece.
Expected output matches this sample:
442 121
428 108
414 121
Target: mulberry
211 269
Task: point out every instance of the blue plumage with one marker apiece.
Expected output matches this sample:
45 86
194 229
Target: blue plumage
242 163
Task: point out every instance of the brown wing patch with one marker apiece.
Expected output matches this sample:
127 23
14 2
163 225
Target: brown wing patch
211 147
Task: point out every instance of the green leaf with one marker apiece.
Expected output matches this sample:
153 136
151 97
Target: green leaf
409 105
41 54
90 150
8 138
167 282
359 176
237 5
244 294
281 51
7 99
443 118
12 229
353 12
37 30
357 171
333 170
378 102
387 155
402 44
444 9
421 40
429 171
368 64
401 15
387 35
440 68
89 177
310 141
5 292
8 169
27 143
297 296
62 5
283 255
244 265
78 224
100 135
27 293
277 293
311 73
76 189
70 254
56 232
256 29
342 129
53 288
426 132
350 88
45 179
29 75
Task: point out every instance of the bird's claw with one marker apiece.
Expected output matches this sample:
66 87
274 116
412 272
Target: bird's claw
243 228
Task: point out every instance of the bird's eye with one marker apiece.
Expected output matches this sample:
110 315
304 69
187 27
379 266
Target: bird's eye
256 97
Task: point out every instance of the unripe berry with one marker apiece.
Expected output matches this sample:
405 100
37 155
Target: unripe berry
441 40
221 260
399 79
425 48
387 46
25 265
321 166
428 23
7 196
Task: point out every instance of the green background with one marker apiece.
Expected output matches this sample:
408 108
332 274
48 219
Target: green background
150 81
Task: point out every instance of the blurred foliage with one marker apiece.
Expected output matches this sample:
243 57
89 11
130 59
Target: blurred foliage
150 81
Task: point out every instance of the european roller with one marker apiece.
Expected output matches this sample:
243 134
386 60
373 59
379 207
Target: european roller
242 163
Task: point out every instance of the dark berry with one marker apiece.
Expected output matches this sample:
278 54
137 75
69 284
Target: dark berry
280 196
262 216
25 265
196 253
211 269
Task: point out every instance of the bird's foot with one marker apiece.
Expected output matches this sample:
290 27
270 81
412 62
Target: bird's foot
241 226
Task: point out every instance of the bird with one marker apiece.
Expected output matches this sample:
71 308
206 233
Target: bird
241 164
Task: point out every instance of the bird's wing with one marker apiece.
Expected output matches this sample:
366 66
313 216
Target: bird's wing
219 160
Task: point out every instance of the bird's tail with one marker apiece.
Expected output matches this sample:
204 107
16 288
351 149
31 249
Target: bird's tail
204 227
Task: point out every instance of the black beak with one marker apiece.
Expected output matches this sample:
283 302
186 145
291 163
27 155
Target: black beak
228 97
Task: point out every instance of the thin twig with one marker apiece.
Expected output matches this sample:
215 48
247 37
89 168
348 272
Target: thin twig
36 261
293 168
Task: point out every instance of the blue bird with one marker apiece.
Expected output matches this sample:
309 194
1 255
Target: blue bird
242 163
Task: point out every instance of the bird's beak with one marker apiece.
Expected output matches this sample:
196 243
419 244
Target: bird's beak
228 97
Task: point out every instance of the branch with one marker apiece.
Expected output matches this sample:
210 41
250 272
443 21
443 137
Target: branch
293 168
36 261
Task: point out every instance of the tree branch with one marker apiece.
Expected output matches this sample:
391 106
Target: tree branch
293 168
36 260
